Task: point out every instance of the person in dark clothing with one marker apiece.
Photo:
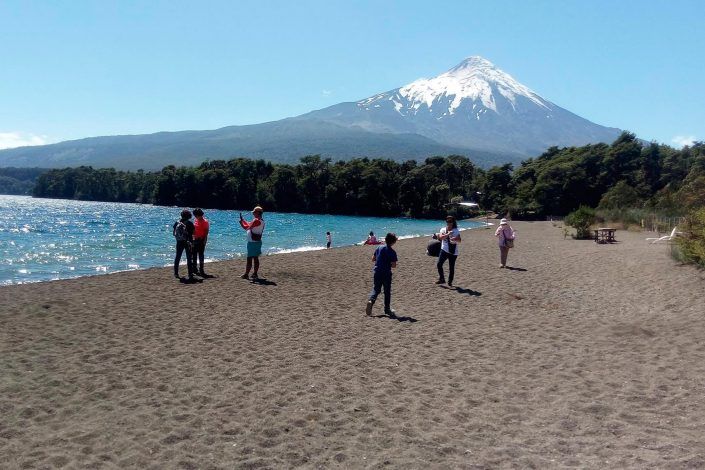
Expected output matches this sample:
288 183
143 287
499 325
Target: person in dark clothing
200 239
385 259
183 233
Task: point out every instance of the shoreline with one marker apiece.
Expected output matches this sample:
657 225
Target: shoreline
579 355
284 251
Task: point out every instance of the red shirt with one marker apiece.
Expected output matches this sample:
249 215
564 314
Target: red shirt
202 227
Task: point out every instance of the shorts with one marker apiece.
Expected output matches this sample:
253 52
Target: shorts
254 249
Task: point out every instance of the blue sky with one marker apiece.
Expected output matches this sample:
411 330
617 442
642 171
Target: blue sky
84 68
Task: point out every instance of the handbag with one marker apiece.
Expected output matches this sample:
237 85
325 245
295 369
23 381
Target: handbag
508 243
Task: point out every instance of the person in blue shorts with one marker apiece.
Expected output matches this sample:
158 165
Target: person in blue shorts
385 259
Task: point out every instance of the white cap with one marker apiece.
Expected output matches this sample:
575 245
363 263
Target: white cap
503 222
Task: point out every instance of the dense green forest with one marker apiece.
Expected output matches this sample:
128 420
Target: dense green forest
626 173
19 181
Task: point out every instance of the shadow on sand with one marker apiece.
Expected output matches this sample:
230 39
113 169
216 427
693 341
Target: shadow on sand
396 317
263 282
462 290
511 268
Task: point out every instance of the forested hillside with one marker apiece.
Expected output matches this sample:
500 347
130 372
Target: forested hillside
624 174
18 181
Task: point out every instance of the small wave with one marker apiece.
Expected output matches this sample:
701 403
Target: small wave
277 251
415 235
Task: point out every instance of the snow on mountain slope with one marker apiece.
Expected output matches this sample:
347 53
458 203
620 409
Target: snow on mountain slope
474 105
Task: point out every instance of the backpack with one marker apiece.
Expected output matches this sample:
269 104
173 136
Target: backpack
181 232
433 248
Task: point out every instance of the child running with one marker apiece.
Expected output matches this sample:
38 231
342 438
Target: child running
385 259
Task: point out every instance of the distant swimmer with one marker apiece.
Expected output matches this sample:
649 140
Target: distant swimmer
329 240
255 229
372 240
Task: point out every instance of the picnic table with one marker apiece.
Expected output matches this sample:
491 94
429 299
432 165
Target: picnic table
604 235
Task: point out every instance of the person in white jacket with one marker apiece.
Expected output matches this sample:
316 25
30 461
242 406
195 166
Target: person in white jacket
450 238
505 237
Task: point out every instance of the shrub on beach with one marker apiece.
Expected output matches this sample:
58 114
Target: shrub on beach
581 219
691 246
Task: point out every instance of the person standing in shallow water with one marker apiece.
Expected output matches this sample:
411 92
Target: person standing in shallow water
255 229
329 240
385 259
505 238
449 237
183 233
200 238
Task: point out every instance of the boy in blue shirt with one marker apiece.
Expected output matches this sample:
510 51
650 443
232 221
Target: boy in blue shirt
385 259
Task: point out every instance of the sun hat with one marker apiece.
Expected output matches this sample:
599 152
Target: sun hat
503 222
257 209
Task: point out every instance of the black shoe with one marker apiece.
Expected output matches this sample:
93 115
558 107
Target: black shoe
441 281
245 276
390 312
368 309
450 284
176 275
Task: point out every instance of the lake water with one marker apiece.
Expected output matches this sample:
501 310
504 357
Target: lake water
48 239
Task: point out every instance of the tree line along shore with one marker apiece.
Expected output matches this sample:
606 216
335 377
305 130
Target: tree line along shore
624 181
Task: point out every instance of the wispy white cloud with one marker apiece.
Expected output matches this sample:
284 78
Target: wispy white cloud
326 92
10 140
683 140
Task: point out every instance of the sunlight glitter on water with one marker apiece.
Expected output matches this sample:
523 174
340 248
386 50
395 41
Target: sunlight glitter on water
46 239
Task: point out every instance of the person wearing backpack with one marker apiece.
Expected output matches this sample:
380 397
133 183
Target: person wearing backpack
183 233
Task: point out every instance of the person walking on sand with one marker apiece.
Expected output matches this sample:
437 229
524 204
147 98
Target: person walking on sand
449 237
255 229
329 240
200 238
505 238
183 233
385 259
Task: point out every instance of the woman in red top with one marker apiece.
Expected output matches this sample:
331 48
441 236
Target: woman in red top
200 238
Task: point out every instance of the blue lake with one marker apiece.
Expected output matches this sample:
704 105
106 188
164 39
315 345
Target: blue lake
48 239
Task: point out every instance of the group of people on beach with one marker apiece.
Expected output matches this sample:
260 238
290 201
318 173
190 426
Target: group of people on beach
192 237
445 246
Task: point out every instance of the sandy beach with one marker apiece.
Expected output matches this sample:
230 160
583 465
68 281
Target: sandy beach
584 355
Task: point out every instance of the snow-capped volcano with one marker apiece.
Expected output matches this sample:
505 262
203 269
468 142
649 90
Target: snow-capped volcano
475 78
473 109
473 105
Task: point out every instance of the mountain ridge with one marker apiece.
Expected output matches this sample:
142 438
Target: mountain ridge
473 109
